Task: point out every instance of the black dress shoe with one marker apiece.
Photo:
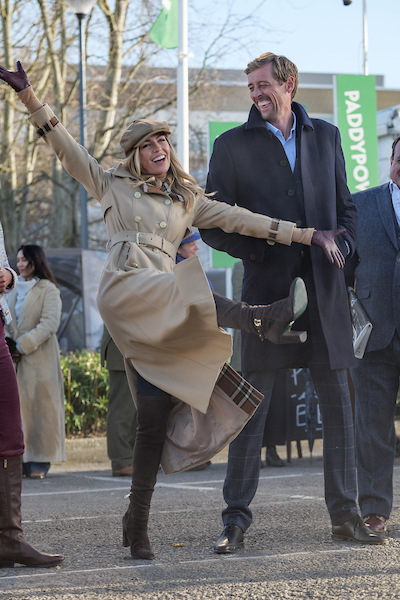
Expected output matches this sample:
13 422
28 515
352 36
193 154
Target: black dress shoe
355 531
231 540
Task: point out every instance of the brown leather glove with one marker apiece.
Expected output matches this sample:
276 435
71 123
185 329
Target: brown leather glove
18 80
326 240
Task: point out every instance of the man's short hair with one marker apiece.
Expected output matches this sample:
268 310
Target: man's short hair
394 146
282 68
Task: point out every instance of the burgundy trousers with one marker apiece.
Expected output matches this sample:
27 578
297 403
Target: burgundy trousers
11 436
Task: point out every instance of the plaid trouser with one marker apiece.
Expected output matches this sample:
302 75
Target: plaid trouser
339 457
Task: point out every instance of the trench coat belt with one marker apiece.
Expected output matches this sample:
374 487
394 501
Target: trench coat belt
150 240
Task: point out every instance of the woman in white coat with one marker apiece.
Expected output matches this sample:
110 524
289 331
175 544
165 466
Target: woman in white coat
35 306
162 316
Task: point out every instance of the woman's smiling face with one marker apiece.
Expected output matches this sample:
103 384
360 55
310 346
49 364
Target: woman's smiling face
154 156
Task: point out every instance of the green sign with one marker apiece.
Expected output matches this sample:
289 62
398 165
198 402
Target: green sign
215 128
355 97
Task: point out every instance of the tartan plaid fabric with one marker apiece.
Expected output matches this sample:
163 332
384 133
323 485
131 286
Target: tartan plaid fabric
240 391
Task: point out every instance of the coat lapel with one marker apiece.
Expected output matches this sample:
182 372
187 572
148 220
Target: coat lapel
385 207
309 157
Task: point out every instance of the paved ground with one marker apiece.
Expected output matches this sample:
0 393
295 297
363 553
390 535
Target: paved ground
288 554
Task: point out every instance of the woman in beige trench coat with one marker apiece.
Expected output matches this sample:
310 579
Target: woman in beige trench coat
163 316
35 307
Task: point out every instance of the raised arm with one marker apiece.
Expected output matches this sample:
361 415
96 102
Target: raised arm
75 159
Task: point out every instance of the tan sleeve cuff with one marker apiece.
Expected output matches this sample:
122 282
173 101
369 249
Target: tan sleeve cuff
303 235
280 231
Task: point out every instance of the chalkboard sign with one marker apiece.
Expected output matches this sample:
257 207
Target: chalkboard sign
303 415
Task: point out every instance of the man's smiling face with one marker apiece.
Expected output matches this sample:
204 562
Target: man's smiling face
271 98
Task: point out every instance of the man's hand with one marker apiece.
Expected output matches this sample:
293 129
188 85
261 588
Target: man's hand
5 278
326 241
18 80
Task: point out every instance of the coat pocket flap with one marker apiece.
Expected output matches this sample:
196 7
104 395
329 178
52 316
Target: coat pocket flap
363 292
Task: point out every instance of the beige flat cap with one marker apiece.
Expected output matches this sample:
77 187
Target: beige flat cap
139 131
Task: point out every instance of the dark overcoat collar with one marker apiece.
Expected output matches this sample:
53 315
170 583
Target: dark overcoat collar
302 118
309 155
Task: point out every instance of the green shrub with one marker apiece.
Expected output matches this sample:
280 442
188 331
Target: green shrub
86 393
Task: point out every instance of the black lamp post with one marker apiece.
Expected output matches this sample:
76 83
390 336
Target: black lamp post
81 8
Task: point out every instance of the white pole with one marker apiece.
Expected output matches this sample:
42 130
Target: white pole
365 37
183 87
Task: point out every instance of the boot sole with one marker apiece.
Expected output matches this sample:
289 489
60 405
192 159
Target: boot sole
299 303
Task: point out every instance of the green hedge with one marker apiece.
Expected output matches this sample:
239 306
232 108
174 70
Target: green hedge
86 393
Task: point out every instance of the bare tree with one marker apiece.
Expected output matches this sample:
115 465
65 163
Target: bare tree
39 200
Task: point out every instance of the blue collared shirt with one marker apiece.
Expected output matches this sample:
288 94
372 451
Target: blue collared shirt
289 145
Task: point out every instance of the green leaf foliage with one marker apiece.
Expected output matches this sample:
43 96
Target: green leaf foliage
86 393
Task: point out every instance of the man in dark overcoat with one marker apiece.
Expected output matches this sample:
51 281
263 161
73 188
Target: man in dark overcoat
283 164
376 375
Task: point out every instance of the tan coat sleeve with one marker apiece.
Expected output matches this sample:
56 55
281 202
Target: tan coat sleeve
234 219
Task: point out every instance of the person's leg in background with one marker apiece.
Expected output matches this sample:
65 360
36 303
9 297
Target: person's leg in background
35 470
275 424
121 424
13 546
376 381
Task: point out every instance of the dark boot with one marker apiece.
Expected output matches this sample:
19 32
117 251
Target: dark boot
271 322
13 546
272 458
152 415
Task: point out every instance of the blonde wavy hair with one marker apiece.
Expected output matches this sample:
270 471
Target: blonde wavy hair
177 179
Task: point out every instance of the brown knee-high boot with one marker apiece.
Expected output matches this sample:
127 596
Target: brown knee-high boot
271 322
13 546
152 414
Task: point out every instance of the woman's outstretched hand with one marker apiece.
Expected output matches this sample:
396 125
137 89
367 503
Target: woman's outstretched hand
18 80
326 241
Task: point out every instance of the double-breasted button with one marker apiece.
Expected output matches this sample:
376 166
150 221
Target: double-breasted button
398 259
302 254
298 224
156 250
291 192
137 194
283 162
252 257
138 219
163 224
167 201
